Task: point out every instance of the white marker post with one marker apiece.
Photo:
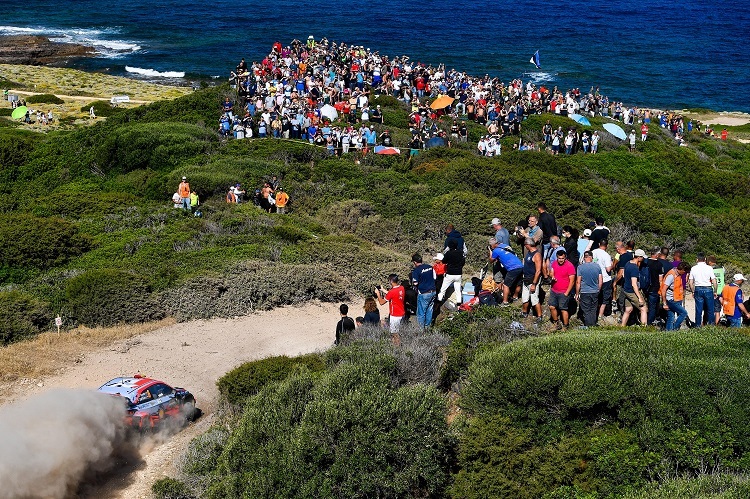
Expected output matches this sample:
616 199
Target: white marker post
58 323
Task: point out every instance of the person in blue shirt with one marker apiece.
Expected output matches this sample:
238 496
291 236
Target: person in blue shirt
511 270
423 279
634 298
501 233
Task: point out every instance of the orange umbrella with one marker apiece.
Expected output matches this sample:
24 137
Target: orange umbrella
441 102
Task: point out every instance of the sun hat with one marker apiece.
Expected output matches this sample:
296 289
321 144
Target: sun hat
439 256
738 277
640 252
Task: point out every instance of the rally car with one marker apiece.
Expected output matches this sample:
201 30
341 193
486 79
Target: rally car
151 402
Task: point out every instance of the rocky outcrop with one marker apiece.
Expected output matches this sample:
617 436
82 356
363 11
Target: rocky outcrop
38 50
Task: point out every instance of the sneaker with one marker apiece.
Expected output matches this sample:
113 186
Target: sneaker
558 327
583 327
505 304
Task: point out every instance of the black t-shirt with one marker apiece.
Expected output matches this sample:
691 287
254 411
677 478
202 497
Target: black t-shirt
454 262
548 225
624 258
345 325
656 269
597 235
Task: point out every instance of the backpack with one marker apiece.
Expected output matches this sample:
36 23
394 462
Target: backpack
644 278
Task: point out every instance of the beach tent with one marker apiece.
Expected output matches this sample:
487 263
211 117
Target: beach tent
386 150
19 112
581 120
616 131
329 112
442 102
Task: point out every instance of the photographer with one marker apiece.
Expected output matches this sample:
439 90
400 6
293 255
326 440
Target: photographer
395 298
512 268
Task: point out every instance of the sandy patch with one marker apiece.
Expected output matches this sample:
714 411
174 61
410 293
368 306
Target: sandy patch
723 118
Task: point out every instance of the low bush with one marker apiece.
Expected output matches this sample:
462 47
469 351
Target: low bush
44 99
641 406
198 462
252 286
22 316
347 433
107 297
715 486
249 378
36 242
102 108
169 488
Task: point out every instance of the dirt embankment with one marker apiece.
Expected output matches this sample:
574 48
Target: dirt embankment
38 50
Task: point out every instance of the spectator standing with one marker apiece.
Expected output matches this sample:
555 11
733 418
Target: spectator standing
184 191
702 283
547 223
395 297
633 297
454 263
672 295
656 274
563 275
600 232
282 199
501 233
423 278
733 302
589 280
602 258
532 275
345 325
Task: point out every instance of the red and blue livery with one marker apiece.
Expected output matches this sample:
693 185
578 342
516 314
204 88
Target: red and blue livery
150 402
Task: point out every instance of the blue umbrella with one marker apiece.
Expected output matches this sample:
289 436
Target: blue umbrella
616 131
435 142
580 119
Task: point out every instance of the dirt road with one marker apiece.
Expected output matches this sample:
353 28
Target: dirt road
192 355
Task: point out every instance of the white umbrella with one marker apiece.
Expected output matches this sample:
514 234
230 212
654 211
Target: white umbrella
329 112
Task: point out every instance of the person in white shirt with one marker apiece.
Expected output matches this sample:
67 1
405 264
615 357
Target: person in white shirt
702 283
604 260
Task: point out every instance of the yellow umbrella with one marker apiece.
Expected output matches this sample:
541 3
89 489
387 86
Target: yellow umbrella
441 102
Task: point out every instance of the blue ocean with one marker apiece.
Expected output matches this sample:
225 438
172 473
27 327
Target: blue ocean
656 53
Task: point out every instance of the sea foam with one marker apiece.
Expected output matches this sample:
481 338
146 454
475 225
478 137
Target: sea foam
155 73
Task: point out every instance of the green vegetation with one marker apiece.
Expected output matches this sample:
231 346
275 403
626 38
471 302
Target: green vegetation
43 99
102 108
248 379
478 408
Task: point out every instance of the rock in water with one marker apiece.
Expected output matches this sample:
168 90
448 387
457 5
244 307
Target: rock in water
39 50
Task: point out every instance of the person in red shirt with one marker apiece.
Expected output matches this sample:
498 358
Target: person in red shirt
724 134
644 132
396 301
563 275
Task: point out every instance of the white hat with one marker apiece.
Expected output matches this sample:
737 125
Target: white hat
495 221
640 252
738 277
184 178
587 232
439 256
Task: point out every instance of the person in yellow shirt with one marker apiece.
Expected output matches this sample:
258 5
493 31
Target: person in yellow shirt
282 199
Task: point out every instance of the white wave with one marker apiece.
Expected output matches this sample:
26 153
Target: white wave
153 72
91 37
540 77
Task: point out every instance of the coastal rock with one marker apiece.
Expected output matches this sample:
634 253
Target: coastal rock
38 50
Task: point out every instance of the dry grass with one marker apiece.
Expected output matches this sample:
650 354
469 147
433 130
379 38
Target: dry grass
48 353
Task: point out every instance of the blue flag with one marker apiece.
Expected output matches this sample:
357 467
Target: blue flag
535 60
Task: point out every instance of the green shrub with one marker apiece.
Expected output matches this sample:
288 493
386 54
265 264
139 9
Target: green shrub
107 297
682 395
249 378
22 316
347 433
715 486
34 242
169 488
102 108
44 99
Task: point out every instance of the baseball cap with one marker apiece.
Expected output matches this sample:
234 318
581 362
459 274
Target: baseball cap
640 252
495 221
738 277
587 232
439 256
184 178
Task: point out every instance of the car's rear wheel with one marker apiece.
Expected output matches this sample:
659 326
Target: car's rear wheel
188 409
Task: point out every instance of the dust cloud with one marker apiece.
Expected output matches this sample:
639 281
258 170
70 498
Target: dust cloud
52 442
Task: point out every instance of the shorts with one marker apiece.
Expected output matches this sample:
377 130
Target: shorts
395 323
632 298
558 300
512 278
528 296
